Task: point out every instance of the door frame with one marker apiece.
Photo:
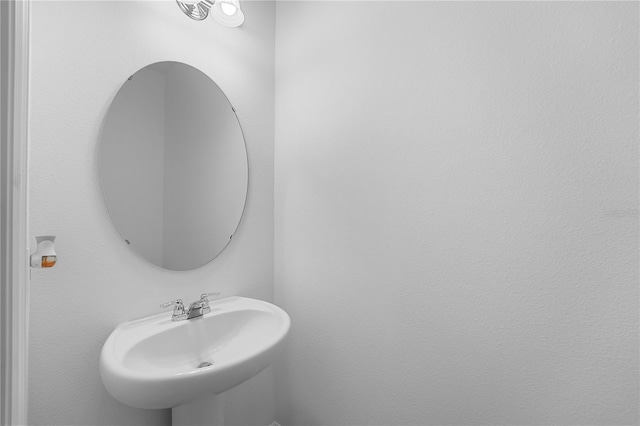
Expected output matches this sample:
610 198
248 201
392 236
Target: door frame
14 217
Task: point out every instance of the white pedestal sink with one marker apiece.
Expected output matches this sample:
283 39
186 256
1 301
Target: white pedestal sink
156 363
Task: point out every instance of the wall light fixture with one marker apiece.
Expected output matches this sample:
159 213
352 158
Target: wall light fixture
226 12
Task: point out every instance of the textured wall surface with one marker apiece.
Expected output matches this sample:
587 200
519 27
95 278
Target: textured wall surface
456 212
81 52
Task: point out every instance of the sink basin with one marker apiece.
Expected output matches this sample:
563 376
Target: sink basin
154 362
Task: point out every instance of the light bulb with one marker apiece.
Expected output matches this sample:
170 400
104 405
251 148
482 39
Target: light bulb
228 13
228 9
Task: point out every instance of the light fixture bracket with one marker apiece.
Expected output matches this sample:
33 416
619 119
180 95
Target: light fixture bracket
197 11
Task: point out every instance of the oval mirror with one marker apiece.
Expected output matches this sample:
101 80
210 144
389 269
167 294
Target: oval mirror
173 166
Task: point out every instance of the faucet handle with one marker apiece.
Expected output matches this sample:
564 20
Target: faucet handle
204 300
205 296
178 309
177 302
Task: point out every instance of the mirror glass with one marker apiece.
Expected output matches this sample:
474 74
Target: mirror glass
173 166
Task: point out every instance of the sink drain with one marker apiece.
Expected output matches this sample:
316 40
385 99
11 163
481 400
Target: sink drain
204 364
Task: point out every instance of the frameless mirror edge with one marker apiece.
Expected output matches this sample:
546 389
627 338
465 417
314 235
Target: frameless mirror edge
100 172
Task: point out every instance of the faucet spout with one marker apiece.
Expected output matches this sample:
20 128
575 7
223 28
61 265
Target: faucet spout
200 307
197 309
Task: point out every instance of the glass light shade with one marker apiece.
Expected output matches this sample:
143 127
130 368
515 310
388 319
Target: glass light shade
228 13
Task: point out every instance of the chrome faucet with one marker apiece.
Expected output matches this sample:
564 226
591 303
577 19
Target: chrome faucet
196 309
178 309
200 307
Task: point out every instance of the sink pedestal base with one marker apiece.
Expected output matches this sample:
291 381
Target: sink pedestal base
205 411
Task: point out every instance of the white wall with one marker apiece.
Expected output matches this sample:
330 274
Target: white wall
446 246
81 52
